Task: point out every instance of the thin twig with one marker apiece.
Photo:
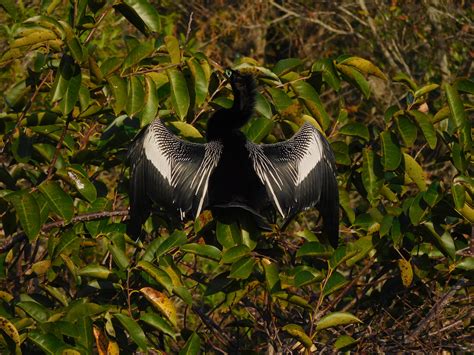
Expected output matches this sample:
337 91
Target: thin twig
25 111
21 237
437 308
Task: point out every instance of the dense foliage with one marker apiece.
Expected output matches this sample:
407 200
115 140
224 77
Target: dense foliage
77 90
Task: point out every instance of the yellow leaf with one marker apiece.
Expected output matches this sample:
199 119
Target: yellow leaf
113 348
100 340
162 303
9 329
406 272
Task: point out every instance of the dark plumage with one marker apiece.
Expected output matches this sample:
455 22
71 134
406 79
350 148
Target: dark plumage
231 172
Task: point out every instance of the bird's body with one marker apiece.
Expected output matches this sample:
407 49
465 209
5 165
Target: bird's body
231 172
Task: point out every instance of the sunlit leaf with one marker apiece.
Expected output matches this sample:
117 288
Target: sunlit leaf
298 333
406 272
162 303
179 92
335 319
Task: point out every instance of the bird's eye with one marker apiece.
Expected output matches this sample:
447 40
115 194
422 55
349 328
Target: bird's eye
228 73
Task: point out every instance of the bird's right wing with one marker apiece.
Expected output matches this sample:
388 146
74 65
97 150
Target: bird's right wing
170 172
299 174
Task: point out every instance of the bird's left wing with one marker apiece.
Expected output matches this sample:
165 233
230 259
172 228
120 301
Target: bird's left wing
170 172
299 174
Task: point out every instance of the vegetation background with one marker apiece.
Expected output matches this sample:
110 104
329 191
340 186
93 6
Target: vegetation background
390 83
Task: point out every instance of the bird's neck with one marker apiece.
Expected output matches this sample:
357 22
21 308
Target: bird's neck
224 121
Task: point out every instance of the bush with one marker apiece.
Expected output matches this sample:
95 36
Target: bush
73 281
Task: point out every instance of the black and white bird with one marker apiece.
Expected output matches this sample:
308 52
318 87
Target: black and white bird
229 171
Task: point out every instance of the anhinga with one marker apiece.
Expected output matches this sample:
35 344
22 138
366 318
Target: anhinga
229 171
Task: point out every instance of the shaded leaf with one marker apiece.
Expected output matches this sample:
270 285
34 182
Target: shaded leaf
59 201
133 329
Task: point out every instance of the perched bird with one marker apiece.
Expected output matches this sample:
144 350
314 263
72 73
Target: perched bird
230 172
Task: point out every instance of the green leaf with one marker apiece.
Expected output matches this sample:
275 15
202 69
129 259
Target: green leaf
426 127
27 211
271 276
119 256
298 333
159 323
391 155
371 175
201 83
335 282
284 66
466 264
335 319
81 182
341 153
445 242
459 195
341 254
416 212
172 45
35 310
312 101
314 249
262 106
228 235
134 330
280 98
259 129
186 130
459 116
456 107
192 346
207 251
67 84
67 239
59 201
364 66
138 53
354 76
414 171
405 79
157 274
179 92
183 293
176 239
78 52
355 129
235 253
329 73
343 342
242 268
118 88
150 110
95 271
10 7
48 342
135 96
407 130
425 89
141 14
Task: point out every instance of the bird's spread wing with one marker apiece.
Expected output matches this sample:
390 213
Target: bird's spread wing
170 172
298 174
